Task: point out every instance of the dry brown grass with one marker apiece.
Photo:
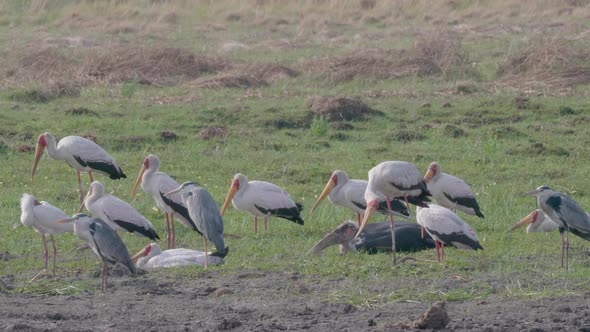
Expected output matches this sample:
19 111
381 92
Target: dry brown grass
246 76
431 55
546 63
340 108
83 67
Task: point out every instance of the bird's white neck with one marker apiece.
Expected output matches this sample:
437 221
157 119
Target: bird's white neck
52 150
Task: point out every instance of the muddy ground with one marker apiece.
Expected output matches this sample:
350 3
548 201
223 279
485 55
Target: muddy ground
260 301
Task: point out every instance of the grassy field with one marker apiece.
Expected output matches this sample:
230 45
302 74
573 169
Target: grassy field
498 93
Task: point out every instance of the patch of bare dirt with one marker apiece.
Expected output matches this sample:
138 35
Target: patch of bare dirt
341 108
265 301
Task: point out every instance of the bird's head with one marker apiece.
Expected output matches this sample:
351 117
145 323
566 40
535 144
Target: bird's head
341 235
151 249
184 188
433 170
41 145
531 218
233 189
539 190
150 161
332 183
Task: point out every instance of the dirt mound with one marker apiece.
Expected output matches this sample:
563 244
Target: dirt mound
340 108
435 318
431 55
546 63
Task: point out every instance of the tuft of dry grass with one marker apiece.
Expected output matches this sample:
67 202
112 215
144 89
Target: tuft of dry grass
340 108
435 54
546 63
246 76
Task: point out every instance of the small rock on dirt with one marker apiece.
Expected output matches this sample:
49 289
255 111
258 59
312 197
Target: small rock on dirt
222 291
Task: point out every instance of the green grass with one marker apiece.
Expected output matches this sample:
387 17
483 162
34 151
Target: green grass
498 154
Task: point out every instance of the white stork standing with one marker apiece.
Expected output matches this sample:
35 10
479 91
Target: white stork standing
81 154
43 217
118 214
537 221
104 241
156 184
152 257
262 199
204 212
566 213
445 227
350 193
450 191
394 179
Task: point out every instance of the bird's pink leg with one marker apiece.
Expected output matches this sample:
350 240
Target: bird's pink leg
255 225
392 229
265 220
437 250
172 230
80 187
45 251
408 206
167 231
54 253
358 219
90 176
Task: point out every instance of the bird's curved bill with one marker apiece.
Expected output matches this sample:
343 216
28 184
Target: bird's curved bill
84 201
429 174
529 219
38 152
331 239
368 212
533 192
171 192
139 255
138 181
327 189
230 195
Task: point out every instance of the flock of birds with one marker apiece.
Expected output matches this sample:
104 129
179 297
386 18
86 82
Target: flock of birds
391 187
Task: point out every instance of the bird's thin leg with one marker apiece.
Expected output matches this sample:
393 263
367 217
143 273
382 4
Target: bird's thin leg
442 250
54 253
562 248
422 231
437 250
358 218
392 229
567 251
80 187
265 220
255 225
206 254
167 231
408 206
172 230
90 176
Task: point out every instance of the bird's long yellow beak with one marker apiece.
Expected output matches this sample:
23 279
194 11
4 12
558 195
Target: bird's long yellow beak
327 189
138 181
230 195
368 212
85 198
139 255
429 174
38 151
529 219
65 221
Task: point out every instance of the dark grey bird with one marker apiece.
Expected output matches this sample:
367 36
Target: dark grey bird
103 241
566 213
375 237
205 214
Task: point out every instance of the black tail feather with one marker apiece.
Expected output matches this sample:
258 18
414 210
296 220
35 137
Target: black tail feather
221 254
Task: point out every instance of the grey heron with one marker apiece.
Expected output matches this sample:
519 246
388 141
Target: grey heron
103 241
566 213
82 154
205 213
